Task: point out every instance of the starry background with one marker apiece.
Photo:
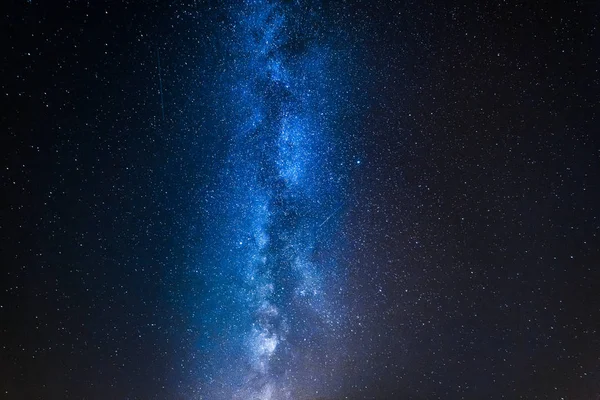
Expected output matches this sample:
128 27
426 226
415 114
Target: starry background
461 259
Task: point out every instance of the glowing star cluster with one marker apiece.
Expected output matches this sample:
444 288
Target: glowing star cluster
281 197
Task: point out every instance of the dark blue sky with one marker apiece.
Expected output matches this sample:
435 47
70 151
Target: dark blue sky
361 200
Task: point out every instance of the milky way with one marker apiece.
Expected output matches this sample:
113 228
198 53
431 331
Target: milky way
277 286
300 200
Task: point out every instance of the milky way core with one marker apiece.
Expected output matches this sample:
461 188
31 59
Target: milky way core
278 286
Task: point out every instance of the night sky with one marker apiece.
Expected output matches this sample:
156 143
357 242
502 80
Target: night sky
300 200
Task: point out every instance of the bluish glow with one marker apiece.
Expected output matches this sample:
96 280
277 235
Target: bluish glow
274 290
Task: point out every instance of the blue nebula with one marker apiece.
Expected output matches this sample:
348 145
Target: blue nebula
273 312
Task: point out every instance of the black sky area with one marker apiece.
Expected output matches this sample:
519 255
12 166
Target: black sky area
473 257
